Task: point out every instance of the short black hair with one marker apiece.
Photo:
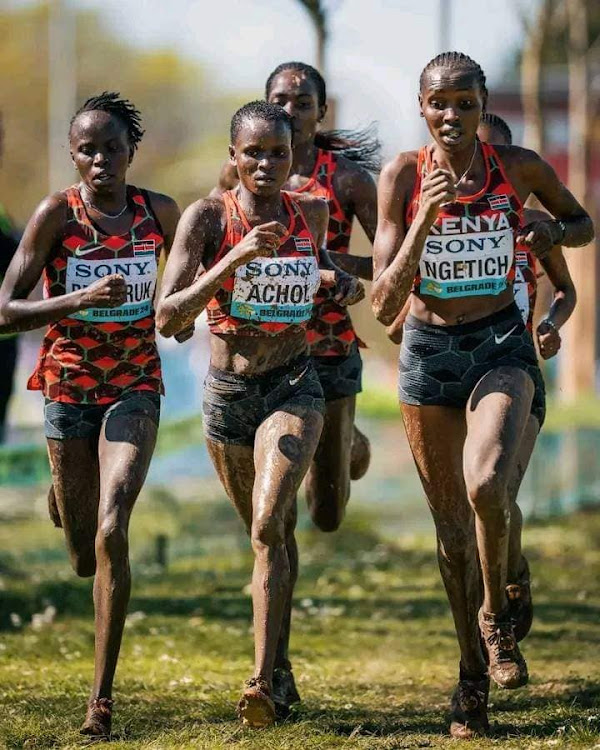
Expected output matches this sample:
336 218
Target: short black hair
457 61
259 110
123 109
495 121
308 70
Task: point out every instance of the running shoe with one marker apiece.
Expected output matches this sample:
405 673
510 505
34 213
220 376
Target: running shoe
507 666
285 693
520 606
256 708
468 708
360 454
98 718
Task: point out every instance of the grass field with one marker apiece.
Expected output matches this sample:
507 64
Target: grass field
373 643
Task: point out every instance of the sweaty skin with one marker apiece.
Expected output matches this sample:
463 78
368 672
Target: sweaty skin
95 481
466 458
343 451
548 339
261 481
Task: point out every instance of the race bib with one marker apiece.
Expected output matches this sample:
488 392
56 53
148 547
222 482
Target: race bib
140 274
462 265
277 290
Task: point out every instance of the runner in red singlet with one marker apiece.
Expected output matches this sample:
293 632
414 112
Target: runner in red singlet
450 215
250 258
97 245
493 129
334 165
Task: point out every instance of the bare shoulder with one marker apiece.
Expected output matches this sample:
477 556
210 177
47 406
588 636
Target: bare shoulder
165 208
400 173
312 205
352 178
204 211
526 161
50 214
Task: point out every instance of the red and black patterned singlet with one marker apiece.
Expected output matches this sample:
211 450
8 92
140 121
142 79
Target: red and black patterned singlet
330 332
93 356
525 284
470 248
266 296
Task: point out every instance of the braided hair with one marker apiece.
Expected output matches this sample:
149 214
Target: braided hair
259 110
456 61
495 121
361 146
122 109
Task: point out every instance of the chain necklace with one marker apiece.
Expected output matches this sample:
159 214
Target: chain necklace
89 204
464 174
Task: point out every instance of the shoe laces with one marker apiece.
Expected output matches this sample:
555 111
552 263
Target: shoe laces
502 640
258 682
469 696
102 706
514 592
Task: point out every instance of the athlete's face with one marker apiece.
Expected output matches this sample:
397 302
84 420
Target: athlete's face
298 95
262 154
100 150
490 134
452 102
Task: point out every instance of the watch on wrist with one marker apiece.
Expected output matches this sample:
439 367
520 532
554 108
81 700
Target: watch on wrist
551 323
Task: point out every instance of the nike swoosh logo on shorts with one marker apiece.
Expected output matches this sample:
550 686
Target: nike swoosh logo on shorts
500 339
293 381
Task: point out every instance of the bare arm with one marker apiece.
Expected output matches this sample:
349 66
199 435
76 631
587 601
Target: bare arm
539 178
187 286
359 186
396 252
395 331
43 231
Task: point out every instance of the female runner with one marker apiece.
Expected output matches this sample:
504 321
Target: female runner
98 244
493 129
334 165
250 258
469 379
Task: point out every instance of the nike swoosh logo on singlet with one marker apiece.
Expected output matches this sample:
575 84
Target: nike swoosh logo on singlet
81 252
293 381
500 339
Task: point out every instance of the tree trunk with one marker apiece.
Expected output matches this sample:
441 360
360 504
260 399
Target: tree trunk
578 360
531 78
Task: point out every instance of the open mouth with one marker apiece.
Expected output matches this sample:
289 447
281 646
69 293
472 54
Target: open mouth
103 176
452 136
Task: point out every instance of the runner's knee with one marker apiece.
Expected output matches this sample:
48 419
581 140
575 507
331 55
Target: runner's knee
487 490
111 539
267 532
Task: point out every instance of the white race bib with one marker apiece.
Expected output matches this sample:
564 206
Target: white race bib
276 290
140 276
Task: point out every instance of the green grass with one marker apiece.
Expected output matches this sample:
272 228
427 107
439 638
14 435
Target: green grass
373 644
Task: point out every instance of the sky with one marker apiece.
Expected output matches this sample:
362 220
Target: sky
376 53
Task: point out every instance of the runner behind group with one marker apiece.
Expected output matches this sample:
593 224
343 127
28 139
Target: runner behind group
334 165
469 378
97 245
493 129
250 258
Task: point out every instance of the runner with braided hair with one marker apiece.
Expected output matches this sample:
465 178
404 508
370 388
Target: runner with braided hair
450 216
98 245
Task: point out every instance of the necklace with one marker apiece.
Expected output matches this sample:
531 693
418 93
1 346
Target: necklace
89 204
464 174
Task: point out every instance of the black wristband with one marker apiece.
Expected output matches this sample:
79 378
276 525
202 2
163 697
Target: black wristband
563 230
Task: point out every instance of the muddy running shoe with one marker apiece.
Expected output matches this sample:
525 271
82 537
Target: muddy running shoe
256 708
53 508
520 606
360 455
468 708
98 718
285 692
507 666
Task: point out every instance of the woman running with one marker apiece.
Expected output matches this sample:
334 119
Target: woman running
250 258
469 379
334 165
97 244
493 129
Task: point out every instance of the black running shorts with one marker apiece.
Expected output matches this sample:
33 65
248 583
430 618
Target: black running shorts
66 421
235 406
441 365
340 376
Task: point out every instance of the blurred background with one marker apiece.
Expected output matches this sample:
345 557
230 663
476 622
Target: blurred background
187 65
